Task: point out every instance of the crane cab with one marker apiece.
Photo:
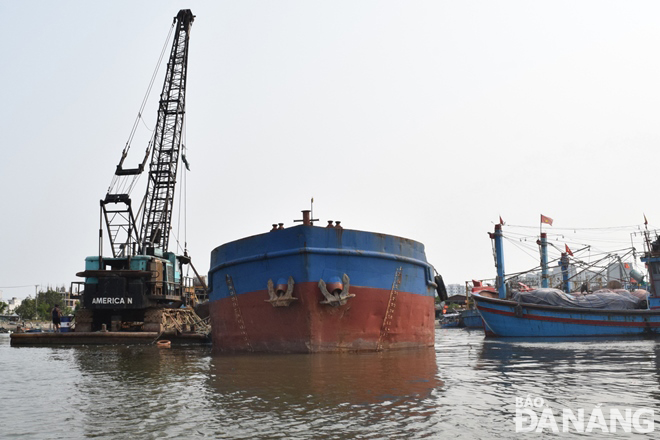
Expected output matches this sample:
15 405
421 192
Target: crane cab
123 289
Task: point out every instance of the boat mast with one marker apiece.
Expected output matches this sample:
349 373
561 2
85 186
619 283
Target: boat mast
652 259
564 263
499 261
543 242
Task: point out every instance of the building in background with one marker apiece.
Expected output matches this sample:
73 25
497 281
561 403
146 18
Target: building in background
13 304
455 289
67 301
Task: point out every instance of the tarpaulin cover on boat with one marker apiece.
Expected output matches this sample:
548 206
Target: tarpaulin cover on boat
601 299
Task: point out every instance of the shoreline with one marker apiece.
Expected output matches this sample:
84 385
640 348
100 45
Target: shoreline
10 327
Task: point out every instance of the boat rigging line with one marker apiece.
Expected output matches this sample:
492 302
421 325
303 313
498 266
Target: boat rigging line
611 257
608 228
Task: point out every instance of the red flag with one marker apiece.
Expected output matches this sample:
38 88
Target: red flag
501 221
645 221
626 266
546 220
568 251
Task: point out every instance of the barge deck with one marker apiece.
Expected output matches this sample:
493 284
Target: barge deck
102 338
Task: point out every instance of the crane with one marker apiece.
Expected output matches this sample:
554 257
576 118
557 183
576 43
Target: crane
143 277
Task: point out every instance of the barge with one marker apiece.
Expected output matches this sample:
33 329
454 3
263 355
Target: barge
309 289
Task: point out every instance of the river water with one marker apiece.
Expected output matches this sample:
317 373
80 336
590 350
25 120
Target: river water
466 387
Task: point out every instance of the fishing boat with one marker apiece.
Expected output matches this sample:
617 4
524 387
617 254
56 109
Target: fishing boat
550 313
307 288
449 320
470 318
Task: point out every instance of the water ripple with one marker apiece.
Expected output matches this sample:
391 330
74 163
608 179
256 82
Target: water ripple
464 388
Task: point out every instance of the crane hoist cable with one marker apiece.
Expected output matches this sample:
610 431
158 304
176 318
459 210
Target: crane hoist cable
125 184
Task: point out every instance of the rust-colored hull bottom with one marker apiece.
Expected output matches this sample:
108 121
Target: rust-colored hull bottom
100 338
306 326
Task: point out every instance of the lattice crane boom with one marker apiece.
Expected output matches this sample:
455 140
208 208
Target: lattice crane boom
159 196
130 233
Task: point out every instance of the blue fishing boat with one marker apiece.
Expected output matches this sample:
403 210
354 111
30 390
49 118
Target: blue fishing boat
471 318
449 320
549 313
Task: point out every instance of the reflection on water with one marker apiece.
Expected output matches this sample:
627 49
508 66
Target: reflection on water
335 378
326 394
464 388
579 373
142 389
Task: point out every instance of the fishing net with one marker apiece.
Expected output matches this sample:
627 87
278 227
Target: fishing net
618 299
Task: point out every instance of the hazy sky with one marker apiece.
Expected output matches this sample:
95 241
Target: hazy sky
423 119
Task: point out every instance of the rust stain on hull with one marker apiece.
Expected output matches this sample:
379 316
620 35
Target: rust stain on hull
310 327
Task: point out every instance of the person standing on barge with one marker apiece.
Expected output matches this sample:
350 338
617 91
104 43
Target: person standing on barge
57 315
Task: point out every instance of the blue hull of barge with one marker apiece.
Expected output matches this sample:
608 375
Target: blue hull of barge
309 253
506 318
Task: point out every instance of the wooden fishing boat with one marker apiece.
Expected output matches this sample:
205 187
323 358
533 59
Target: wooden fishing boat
470 318
507 316
449 320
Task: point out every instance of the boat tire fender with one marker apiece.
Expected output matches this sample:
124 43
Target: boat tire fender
441 289
518 310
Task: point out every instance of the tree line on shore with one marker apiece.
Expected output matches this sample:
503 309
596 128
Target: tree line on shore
39 308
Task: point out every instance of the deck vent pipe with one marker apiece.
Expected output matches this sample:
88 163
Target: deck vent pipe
306 217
